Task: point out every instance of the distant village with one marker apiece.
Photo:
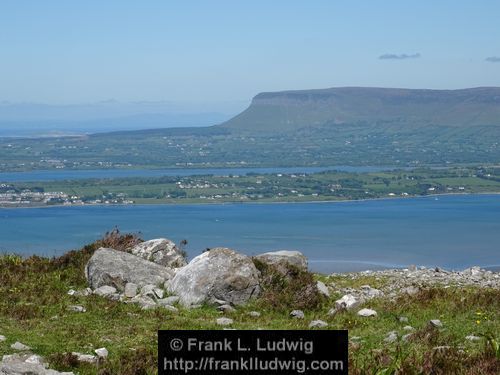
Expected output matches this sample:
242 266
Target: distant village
10 197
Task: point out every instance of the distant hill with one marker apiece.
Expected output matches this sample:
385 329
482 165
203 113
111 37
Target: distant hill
292 110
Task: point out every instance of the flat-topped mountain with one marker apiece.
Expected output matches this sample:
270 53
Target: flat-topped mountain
289 110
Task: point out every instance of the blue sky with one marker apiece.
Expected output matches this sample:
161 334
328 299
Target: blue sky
223 51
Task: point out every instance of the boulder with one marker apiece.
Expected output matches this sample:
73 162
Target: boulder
323 289
367 312
20 346
297 314
318 324
161 251
16 364
105 291
224 321
130 290
282 258
347 302
218 274
436 323
117 268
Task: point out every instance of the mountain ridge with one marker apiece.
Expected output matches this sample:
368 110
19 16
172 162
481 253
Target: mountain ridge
294 109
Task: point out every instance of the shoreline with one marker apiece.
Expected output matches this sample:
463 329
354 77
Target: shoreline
250 203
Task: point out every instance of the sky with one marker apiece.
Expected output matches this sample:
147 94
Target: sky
222 52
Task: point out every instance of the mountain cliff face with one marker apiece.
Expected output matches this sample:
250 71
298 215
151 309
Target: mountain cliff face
291 110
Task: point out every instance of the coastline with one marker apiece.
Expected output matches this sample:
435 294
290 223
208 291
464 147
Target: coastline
249 203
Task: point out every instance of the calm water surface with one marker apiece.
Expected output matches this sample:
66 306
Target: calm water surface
450 231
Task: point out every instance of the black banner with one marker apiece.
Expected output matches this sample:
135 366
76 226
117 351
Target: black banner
252 352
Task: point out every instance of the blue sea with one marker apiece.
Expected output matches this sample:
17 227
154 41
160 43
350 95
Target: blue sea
453 232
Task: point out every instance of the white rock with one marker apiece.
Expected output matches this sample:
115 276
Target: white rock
403 319
117 268
297 314
436 323
367 312
347 302
323 289
254 314
20 346
131 290
406 337
87 358
472 338
148 290
226 308
224 321
391 337
105 290
279 258
101 352
2 338
77 308
144 301
408 328
318 324
161 251
218 274
71 292
158 292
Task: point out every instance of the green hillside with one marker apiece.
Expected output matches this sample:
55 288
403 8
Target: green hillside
291 110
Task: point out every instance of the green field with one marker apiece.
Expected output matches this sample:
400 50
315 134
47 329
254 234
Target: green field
324 186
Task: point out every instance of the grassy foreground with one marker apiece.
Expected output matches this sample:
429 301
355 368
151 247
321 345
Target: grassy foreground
34 310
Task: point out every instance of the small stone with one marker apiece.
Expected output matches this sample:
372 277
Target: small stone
410 290
77 308
71 292
436 323
347 302
391 337
408 328
297 314
367 312
254 314
101 352
224 321
172 300
115 297
87 358
20 346
403 319
148 290
158 292
130 290
2 338
143 301
323 289
355 338
318 324
226 308
105 290
406 337
472 338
